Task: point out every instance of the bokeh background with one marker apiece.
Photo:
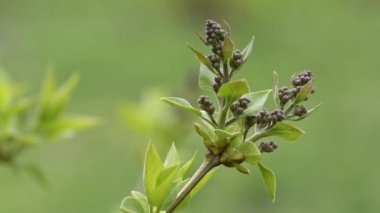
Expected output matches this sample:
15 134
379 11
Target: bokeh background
129 52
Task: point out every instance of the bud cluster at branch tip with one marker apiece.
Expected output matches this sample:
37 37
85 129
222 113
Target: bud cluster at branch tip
214 36
298 81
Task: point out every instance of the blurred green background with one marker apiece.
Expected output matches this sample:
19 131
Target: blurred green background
125 49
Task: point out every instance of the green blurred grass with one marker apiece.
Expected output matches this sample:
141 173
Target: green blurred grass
122 48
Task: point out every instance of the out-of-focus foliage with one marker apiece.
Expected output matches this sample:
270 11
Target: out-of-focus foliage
27 120
149 119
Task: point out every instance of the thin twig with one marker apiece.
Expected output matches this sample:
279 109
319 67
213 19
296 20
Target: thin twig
205 168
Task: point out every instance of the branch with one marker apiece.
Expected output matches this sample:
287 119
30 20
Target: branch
206 167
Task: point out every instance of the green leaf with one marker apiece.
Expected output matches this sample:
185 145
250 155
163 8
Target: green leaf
282 130
275 89
141 198
131 205
170 198
250 151
228 28
307 114
27 139
36 173
202 58
6 91
165 173
152 168
182 104
202 132
223 134
228 48
202 39
165 184
236 140
54 102
247 51
47 93
304 92
269 179
201 183
22 106
68 126
258 100
172 158
207 133
63 96
241 168
233 90
186 167
206 78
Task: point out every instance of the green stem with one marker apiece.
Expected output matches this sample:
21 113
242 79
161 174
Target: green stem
230 121
290 108
223 116
205 168
226 72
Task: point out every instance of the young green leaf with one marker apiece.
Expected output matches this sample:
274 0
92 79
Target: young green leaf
201 183
48 90
206 78
202 132
172 158
170 198
282 130
304 92
269 179
152 168
258 100
6 91
165 173
142 200
131 205
223 134
233 90
275 89
36 173
247 51
202 58
186 167
165 184
250 151
228 48
182 104
196 189
241 168
228 28
208 135
68 126
62 96
202 39
236 140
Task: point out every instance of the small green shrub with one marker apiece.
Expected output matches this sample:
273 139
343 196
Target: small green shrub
27 121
